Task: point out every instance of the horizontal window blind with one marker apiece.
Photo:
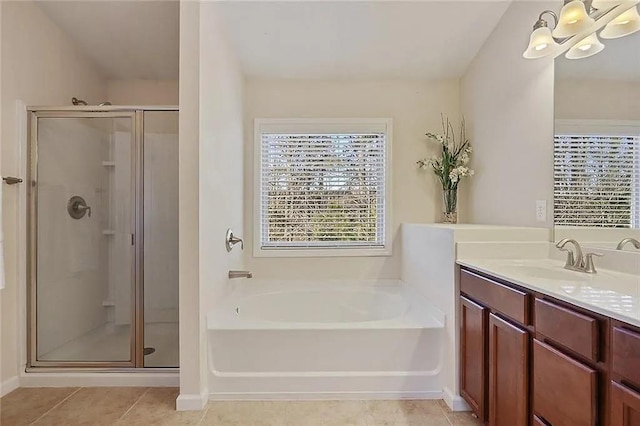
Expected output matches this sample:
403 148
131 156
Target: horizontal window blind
597 180
322 190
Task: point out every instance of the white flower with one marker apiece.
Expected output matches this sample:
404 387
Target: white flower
437 137
459 172
464 158
454 175
468 149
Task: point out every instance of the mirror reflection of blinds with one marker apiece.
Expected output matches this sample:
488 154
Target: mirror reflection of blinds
597 181
322 190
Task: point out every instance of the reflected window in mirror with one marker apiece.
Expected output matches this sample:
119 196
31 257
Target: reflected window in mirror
597 179
597 145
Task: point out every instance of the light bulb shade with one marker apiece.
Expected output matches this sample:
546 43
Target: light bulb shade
573 19
541 44
586 47
627 23
605 4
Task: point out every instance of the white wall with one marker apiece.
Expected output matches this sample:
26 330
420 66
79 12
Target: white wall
142 92
415 108
221 158
41 66
211 175
597 99
192 335
508 104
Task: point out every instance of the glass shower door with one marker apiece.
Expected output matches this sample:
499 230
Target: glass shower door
161 239
83 255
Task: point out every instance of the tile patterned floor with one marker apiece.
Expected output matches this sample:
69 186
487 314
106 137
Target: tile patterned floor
155 406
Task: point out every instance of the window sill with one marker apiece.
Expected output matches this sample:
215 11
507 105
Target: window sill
318 252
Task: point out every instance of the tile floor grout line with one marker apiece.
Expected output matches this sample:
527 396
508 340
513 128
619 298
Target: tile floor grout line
444 413
204 414
134 404
56 405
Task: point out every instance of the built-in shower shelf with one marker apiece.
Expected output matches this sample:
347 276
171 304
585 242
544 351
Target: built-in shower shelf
109 163
108 232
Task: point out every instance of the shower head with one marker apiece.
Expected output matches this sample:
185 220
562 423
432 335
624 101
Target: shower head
77 101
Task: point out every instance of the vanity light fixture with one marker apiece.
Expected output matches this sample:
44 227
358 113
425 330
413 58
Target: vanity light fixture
574 18
604 4
623 25
586 47
541 42
578 22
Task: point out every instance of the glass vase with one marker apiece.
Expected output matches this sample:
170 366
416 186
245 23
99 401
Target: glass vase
450 198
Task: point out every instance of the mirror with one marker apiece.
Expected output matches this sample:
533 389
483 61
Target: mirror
597 145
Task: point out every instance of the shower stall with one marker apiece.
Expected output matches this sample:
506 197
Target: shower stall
102 237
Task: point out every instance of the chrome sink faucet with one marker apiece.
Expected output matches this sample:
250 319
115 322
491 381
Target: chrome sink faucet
576 261
624 242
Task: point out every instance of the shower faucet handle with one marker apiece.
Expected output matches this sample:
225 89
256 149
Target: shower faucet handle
231 240
84 208
77 207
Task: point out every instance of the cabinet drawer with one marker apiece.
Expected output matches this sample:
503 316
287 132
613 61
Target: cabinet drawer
564 390
625 359
625 406
508 301
570 329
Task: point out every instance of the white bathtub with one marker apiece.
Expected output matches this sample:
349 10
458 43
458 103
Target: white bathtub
325 340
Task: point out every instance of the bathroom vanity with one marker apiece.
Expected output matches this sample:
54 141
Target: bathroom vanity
557 352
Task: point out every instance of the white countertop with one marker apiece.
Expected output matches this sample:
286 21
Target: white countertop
610 293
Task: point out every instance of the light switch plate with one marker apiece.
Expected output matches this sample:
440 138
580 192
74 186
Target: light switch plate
541 210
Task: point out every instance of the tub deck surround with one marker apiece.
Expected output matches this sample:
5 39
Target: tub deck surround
325 340
610 293
326 305
429 253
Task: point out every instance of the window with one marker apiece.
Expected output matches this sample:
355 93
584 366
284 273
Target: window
322 187
597 176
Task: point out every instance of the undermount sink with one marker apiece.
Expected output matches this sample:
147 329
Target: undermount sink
551 273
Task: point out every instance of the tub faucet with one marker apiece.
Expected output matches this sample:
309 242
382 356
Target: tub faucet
624 242
240 274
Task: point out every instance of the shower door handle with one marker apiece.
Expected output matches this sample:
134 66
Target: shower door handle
10 180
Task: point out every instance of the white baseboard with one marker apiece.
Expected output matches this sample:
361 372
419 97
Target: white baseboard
454 402
50 379
9 385
191 402
321 396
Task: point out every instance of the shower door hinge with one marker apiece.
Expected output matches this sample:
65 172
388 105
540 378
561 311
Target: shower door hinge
133 239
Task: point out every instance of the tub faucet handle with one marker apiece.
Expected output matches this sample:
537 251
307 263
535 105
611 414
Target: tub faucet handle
231 240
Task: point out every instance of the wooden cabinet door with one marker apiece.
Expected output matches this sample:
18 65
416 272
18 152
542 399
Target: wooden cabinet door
564 390
474 328
624 406
508 373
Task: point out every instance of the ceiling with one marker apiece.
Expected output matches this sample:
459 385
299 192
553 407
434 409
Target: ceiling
353 39
125 39
620 61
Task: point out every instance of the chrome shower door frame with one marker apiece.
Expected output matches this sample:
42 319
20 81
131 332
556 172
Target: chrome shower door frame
137 170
